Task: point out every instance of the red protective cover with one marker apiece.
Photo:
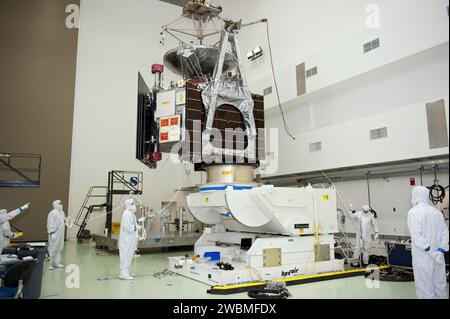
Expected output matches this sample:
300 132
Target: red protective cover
157 68
156 157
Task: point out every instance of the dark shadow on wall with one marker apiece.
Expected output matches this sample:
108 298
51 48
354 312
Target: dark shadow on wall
37 87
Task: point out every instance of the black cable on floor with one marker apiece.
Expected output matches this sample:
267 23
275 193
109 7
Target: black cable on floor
269 294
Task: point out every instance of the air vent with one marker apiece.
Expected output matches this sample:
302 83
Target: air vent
372 45
315 147
311 72
379 133
268 91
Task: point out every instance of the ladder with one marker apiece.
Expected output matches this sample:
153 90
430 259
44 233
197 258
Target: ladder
86 210
119 183
346 247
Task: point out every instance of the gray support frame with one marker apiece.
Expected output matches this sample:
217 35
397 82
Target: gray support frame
233 91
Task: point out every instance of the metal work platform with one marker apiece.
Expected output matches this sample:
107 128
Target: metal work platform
119 183
20 170
168 240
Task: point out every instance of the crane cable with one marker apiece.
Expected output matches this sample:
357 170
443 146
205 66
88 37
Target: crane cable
286 128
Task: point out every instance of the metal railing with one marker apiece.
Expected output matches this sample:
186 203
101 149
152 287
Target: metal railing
122 178
86 209
20 170
85 205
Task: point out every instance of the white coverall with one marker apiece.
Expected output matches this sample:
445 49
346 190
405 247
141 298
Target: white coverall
127 239
7 234
56 223
5 217
429 233
365 224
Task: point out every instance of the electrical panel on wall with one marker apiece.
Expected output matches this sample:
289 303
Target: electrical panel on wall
301 79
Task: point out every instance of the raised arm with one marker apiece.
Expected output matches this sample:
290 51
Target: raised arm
7 217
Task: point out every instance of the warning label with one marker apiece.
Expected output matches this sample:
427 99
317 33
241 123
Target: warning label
169 129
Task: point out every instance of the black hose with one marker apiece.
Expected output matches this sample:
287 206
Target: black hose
395 274
437 193
374 213
269 294
341 216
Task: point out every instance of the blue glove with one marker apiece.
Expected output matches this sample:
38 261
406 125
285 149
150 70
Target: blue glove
438 257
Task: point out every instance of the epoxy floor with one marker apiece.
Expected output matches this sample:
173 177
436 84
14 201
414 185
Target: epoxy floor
98 271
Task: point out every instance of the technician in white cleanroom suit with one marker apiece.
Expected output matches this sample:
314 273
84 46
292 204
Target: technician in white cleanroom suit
6 217
56 223
429 239
127 239
8 234
365 224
